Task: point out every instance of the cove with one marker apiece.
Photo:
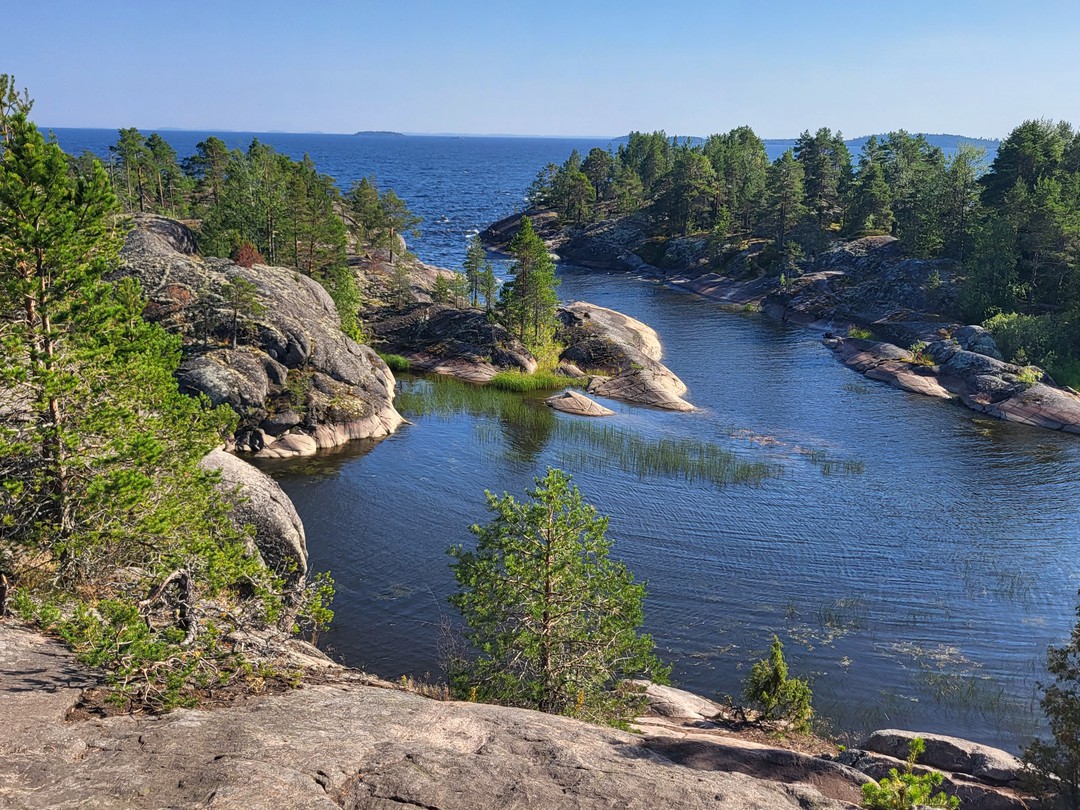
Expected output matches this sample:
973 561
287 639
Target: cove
915 559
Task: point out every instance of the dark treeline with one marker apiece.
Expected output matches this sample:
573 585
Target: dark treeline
1012 228
258 205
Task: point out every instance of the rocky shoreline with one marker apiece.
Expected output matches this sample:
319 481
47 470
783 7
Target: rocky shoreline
867 283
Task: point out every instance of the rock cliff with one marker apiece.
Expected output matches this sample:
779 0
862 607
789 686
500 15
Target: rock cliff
297 382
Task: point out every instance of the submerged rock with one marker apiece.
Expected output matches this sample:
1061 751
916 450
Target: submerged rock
292 357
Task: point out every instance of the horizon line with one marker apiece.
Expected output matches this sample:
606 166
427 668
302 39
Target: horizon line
392 133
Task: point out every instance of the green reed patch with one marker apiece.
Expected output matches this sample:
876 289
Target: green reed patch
526 425
522 383
397 363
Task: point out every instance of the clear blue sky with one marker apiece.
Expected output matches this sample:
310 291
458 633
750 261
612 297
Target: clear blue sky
547 68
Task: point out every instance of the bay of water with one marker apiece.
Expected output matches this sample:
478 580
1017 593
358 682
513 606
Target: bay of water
917 586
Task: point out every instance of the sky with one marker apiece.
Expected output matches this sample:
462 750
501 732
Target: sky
553 68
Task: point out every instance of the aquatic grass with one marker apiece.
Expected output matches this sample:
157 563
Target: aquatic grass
526 426
397 363
688 459
829 465
522 383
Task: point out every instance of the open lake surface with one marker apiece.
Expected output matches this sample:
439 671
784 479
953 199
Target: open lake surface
915 558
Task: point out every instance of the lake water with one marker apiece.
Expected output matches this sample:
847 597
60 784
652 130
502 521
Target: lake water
915 558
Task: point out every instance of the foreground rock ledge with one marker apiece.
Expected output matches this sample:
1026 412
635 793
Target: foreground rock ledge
336 745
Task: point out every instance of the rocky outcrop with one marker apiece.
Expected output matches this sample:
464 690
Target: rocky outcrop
291 356
980 776
983 383
278 533
346 744
577 404
991 765
442 339
622 353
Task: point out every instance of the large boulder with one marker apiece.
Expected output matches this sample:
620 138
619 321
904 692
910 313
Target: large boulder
950 754
291 356
624 355
259 502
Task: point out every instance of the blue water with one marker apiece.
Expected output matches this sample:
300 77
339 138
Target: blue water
919 589
458 185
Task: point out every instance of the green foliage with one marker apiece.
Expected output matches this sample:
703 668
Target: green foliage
397 363
1057 760
918 354
315 615
778 696
103 497
859 333
552 619
440 292
520 382
899 791
528 301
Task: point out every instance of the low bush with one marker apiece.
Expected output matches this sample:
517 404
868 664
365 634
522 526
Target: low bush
769 688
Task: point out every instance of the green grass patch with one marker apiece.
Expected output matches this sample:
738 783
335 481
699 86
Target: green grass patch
397 363
520 383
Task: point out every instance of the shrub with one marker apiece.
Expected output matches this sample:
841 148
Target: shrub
769 688
899 791
247 255
859 333
918 354
1057 761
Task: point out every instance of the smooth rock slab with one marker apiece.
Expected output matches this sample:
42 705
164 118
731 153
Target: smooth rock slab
343 745
577 404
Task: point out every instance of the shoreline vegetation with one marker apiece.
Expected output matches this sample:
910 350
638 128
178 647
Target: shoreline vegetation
1003 238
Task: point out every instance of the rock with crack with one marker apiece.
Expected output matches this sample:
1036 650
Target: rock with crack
624 355
291 355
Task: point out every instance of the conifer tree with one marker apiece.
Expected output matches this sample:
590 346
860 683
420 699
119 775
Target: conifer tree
552 618
529 301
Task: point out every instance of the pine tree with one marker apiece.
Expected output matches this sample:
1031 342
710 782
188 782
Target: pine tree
786 206
529 301
475 257
553 619
99 451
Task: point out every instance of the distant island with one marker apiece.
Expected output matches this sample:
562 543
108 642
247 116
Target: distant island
371 133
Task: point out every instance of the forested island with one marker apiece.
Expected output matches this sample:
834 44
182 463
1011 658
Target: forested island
1007 233
161 310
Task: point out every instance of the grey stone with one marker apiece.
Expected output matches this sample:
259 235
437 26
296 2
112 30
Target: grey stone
976 339
950 754
298 332
578 404
259 502
346 745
